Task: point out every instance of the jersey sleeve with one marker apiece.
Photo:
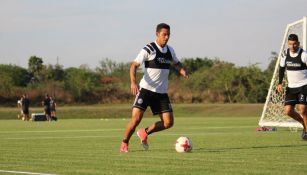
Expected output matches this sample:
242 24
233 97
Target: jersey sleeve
282 62
175 59
142 56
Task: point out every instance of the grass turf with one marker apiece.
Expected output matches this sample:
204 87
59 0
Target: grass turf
221 145
124 111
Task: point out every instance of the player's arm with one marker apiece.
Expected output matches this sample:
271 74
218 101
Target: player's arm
281 73
281 77
182 71
134 87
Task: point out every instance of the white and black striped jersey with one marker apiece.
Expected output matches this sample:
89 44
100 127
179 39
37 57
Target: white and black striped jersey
157 61
295 64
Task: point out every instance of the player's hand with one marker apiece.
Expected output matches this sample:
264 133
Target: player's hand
184 73
280 89
134 88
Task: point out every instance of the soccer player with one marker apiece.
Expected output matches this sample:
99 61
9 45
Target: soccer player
294 60
25 104
157 58
52 108
47 110
19 105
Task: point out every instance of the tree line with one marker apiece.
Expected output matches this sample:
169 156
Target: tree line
210 81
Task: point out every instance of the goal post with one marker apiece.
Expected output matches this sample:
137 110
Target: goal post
273 110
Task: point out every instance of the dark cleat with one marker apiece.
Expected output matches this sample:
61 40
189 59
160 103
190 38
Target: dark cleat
304 135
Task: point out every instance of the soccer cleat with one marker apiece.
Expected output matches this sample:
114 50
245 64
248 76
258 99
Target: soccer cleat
143 136
304 135
123 147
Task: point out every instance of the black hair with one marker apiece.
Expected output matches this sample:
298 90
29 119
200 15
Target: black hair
162 26
293 37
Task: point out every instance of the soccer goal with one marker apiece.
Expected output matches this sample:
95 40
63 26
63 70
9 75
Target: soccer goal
273 110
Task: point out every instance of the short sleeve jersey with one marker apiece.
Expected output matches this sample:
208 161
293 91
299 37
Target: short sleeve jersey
157 61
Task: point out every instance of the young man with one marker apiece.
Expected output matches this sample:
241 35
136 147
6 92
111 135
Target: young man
47 110
19 105
52 108
294 60
157 58
25 104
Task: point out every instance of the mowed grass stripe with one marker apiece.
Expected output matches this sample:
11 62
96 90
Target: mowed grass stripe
119 129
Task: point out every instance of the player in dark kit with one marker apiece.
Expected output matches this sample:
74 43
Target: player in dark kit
47 110
157 58
294 60
25 104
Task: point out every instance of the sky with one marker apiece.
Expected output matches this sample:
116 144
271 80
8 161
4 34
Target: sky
76 32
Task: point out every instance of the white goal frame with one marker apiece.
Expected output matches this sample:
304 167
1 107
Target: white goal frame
272 114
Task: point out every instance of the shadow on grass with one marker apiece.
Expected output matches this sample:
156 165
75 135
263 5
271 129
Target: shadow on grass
247 148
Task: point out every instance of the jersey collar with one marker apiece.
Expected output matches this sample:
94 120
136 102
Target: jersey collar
162 49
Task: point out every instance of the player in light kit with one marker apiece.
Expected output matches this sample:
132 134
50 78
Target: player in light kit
157 58
294 60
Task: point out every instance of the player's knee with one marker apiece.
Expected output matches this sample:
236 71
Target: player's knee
168 124
289 111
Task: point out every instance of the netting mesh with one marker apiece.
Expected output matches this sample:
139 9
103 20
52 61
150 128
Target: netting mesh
273 114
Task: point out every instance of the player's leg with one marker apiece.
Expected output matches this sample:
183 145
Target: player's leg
24 114
303 111
290 111
27 116
167 121
292 98
137 115
161 105
47 114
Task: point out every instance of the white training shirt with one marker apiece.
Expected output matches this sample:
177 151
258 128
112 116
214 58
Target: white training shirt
296 78
155 80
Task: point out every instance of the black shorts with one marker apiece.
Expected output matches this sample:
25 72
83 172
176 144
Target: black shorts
159 103
25 111
296 96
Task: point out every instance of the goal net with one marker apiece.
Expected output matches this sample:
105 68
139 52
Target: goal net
273 110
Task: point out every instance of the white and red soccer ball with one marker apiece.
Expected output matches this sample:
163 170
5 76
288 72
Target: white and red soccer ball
183 145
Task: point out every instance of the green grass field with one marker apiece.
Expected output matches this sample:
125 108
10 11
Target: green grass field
222 144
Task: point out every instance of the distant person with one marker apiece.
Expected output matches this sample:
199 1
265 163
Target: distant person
157 57
294 60
25 104
52 108
47 109
19 106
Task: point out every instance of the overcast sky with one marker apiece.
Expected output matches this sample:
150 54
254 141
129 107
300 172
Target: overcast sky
86 31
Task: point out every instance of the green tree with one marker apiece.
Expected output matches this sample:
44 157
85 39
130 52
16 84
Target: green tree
80 81
35 65
58 72
7 84
19 76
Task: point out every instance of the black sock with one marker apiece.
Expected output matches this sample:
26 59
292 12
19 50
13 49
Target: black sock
125 141
146 130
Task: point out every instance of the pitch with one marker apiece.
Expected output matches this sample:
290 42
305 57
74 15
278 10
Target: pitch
221 145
